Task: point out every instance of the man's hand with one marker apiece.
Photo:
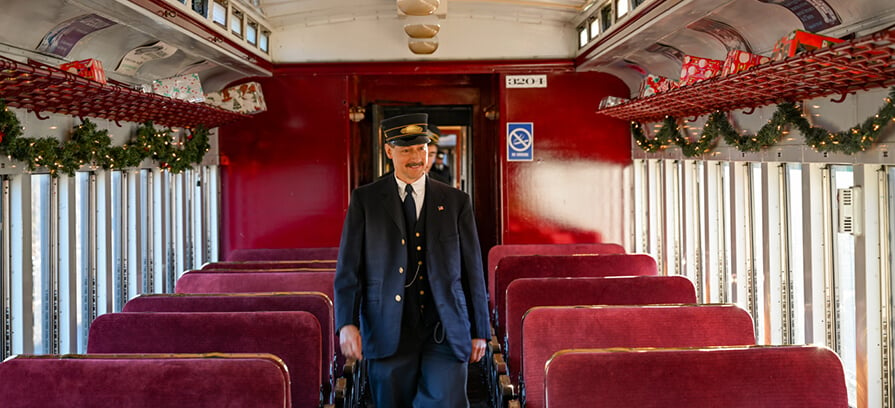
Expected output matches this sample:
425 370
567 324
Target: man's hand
350 342
478 350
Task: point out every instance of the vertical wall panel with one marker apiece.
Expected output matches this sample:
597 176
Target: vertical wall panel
561 195
285 171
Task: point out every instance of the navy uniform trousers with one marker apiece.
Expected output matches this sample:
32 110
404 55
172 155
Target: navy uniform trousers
424 372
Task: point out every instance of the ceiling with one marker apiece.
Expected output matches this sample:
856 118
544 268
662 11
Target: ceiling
291 12
316 31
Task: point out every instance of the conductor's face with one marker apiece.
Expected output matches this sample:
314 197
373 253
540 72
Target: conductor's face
409 161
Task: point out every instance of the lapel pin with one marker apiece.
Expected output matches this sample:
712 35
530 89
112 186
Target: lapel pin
440 208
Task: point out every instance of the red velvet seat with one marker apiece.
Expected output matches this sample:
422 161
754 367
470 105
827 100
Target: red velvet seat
249 282
144 381
283 254
315 303
311 265
498 252
539 266
758 376
294 337
546 330
524 294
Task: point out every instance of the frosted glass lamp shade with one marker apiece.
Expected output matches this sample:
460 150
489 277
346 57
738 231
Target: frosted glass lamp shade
421 30
423 46
418 7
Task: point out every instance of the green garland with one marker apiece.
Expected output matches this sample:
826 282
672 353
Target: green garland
769 134
663 138
88 145
857 139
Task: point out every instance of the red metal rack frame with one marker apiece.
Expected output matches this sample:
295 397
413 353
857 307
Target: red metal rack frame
860 64
41 88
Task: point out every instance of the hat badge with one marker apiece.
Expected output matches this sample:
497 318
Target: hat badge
411 129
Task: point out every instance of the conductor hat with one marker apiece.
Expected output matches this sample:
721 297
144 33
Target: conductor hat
406 130
434 134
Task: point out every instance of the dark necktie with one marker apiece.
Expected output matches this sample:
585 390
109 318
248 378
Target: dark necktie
409 206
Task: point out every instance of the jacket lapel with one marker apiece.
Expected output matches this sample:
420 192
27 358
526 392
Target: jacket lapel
392 203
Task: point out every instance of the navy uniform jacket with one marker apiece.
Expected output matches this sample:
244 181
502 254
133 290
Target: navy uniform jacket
370 274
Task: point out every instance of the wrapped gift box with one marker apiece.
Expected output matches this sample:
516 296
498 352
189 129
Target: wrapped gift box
654 84
184 87
611 101
697 69
737 61
88 68
801 41
244 98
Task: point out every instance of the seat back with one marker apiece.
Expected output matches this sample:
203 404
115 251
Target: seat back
256 282
498 252
283 254
294 337
546 330
282 266
759 376
511 268
144 381
524 294
316 303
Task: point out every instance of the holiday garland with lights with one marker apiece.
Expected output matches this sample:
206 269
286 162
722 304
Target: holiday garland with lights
857 139
91 146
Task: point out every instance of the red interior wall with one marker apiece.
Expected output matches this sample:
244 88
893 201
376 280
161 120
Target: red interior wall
287 173
566 130
284 173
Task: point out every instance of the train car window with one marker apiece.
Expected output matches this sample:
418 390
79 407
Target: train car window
716 249
213 212
844 283
252 32
66 282
116 244
594 26
200 7
606 17
621 8
583 37
727 276
138 214
84 248
196 208
760 227
264 40
795 220
41 255
219 12
20 266
237 18
640 169
636 3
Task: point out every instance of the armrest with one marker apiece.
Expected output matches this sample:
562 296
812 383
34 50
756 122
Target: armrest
500 365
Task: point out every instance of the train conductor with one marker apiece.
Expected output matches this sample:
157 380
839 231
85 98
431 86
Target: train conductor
410 293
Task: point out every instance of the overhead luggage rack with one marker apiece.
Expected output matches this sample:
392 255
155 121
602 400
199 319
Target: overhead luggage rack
859 64
41 88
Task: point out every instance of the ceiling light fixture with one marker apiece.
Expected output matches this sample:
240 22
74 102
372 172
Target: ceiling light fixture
418 7
421 30
423 46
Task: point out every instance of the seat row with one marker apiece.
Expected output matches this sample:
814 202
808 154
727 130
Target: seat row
575 326
580 330
222 327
